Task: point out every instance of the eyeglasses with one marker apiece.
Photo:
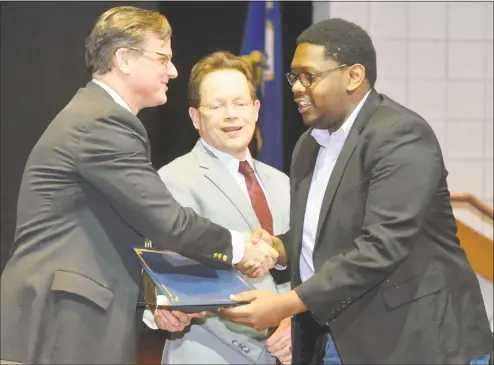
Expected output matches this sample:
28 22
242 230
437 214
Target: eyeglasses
164 58
220 108
306 78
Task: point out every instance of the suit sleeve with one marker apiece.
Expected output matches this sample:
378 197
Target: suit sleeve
113 159
405 175
281 276
182 189
284 237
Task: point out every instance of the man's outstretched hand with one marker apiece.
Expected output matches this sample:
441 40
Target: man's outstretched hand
265 309
258 259
260 234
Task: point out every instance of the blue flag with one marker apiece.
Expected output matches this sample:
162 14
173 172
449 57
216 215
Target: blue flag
262 39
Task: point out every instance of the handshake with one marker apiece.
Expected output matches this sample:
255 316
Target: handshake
262 252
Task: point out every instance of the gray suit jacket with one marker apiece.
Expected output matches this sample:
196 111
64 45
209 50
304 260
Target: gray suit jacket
392 284
88 194
200 181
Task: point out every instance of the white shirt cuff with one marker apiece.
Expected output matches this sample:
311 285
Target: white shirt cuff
148 317
280 267
238 246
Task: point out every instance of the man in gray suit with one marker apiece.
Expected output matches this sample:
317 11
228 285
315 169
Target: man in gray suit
88 195
210 179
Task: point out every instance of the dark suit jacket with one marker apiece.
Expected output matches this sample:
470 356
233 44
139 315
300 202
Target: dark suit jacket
392 283
88 194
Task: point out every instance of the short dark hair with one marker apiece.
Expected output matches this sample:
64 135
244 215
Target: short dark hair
345 43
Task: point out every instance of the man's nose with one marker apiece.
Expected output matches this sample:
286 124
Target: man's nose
230 111
298 88
171 70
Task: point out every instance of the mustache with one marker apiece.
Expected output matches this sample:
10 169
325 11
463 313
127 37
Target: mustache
303 97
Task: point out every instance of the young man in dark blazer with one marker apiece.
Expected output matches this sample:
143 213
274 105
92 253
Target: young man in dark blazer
377 270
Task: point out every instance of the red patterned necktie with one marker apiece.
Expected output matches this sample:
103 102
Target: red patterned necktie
257 197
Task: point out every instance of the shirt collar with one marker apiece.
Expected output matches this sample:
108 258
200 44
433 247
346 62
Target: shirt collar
229 161
117 98
323 137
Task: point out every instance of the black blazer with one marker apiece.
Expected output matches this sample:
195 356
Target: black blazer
88 194
392 283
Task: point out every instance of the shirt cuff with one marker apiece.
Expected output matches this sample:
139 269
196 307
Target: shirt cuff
148 316
148 319
280 267
238 247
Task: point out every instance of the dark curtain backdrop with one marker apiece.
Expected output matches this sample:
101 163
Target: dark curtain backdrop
42 66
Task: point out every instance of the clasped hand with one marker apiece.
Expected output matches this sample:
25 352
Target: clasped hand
259 255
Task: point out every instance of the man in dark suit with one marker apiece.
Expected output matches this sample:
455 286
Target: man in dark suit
88 195
377 270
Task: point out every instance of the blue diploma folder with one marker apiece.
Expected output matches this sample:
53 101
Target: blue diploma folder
188 285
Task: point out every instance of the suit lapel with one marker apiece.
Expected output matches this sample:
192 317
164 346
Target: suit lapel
221 178
373 100
302 171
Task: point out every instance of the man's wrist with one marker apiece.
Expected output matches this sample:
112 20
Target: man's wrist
293 303
280 248
281 262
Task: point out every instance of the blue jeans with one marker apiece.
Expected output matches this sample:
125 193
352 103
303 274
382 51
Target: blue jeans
483 360
332 358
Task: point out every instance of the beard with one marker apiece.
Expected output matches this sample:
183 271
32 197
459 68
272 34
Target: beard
317 122
325 121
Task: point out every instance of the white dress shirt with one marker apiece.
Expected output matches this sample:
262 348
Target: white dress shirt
117 98
238 245
330 148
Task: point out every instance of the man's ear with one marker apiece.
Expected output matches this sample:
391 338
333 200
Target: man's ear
123 61
257 106
356 76
194 115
